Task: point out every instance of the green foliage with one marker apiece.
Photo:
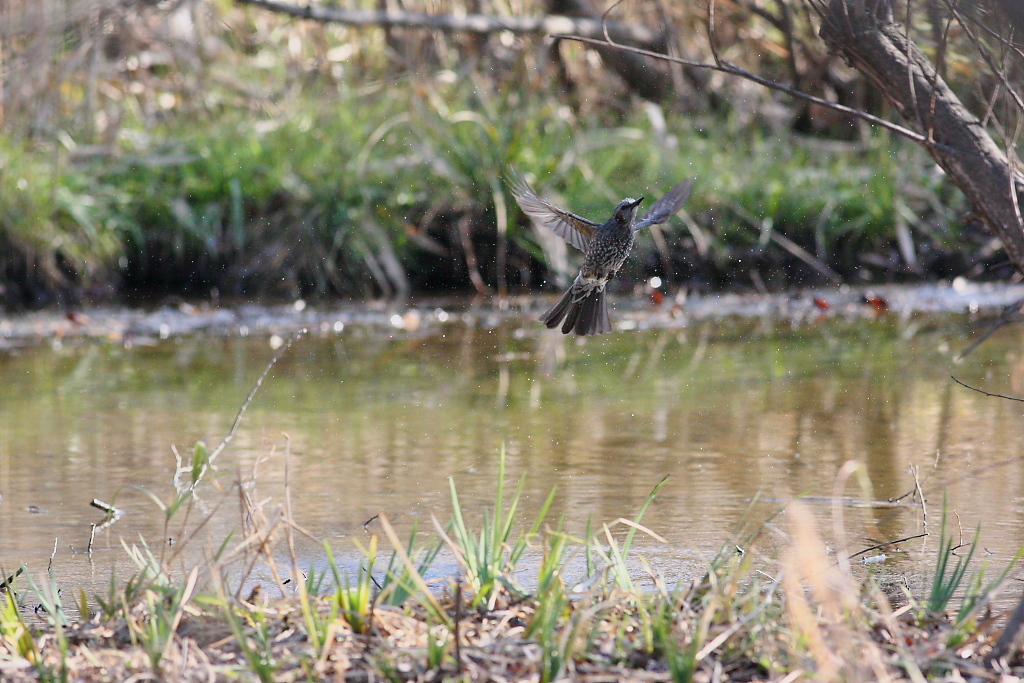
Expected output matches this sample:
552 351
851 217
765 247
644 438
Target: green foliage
949 574
163 612
554 610
953 574
355 600
319 624
164 597
56 218
256 642
681 659
15 634
487 558
398 584
437 647
51 606
338 180
614 555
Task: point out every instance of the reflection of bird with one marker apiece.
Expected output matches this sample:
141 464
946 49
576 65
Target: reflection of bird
584 307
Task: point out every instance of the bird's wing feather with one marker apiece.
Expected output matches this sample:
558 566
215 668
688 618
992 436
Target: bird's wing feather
665 207
575 230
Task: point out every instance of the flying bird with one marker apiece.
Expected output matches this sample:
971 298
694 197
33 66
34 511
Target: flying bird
584 307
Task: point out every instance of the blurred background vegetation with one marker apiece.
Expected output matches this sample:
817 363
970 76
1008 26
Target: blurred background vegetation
210 147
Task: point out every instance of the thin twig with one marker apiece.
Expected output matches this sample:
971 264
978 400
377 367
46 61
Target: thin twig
605 22
1001 73
924 503
732 69
805 256
765 226
987 393
112 513
106 507
289 531
888 543
52 555
1008 312
245 404
458 620
6 585
470 256
960 526
712 36
185 540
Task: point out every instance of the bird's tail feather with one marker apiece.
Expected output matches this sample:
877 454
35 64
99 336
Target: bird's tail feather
555 314
604 323
585 315
588 314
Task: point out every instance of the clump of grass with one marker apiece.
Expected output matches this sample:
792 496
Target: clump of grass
355 599
58 229
488 559
19 639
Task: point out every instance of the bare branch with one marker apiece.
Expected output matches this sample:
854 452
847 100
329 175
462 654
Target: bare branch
987 393
1004 318
730 68
996 71
864 34
470 23
887 544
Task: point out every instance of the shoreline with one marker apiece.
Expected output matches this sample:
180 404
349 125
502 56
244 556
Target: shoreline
427 315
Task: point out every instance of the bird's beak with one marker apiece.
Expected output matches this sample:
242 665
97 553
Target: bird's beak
637 202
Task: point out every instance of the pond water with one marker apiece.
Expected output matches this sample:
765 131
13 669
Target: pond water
377 420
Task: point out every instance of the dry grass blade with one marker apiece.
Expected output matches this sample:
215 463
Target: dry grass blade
436 610
641 527
248 399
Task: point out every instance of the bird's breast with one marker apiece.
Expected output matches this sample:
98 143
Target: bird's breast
607 252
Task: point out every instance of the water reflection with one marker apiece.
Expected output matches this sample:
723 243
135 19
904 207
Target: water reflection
730 411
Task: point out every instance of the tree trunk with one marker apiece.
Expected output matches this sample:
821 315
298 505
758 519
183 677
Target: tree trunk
863 32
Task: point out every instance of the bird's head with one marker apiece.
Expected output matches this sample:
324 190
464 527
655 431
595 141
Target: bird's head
625 212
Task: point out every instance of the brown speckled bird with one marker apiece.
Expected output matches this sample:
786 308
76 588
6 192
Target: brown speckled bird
584 308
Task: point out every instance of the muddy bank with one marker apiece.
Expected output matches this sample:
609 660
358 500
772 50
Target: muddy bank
430 316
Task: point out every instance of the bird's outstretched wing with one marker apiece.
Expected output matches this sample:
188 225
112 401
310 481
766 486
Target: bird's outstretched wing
665 207
574 229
